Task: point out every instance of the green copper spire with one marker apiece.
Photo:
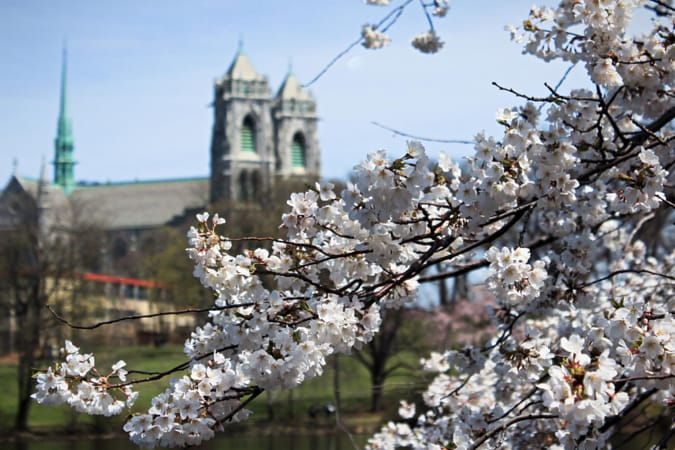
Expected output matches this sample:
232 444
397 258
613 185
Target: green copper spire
63 144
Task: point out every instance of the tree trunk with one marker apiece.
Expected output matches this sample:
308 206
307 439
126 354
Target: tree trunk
291 404
460 289
377 377
28 340
442 292
336 382
25 391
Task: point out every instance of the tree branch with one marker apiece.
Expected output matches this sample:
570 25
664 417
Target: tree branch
142 316
619 272
503 427
393 15
422 138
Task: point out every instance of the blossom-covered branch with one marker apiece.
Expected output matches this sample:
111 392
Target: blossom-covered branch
553 210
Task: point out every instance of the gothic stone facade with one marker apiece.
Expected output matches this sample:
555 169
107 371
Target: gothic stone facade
258 138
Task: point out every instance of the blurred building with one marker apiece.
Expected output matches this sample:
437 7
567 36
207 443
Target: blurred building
257 139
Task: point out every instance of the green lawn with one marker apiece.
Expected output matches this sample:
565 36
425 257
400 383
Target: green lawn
284 406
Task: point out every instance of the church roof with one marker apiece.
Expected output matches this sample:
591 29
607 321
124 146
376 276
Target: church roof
242 69
56 197
292 89
144 204
133 205
23 190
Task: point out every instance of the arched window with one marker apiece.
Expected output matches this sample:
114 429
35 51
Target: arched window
298 152
243 186
247 135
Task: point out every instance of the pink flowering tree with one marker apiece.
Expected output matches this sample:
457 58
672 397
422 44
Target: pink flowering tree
552 209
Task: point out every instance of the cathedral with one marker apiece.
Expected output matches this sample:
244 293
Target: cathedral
257 138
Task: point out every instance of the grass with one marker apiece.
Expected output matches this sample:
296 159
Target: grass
283 408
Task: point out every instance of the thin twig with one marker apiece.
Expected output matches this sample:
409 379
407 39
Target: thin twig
622 271
159 375
503 427
422 138
641 378
142 316
554 98
393 15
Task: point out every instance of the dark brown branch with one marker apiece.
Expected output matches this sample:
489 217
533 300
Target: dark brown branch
517 215
654 126
155 375
663 443
256 391
142 316
513 421
622 271
635 141
477 264
513 408
666 201
159 375
553 98
660 7
640 378
610 421
568 97
454 273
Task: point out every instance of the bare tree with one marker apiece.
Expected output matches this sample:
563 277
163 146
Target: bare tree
42 253
399 333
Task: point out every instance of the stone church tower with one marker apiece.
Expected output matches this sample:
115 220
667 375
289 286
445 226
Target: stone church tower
258 138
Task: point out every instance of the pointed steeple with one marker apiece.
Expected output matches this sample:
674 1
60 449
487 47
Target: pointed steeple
241 67
292 99
291 88
64 163
242 80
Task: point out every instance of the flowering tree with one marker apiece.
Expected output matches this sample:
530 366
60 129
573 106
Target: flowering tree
552 209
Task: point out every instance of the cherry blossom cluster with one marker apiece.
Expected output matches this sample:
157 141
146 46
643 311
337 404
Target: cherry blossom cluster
192 408
78 383
373 36
560 380
596 337
555 210
427 42
512 280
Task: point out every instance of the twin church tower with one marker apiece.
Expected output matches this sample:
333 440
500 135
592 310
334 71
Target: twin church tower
257 137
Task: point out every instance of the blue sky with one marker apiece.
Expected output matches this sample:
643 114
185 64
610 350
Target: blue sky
140 76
